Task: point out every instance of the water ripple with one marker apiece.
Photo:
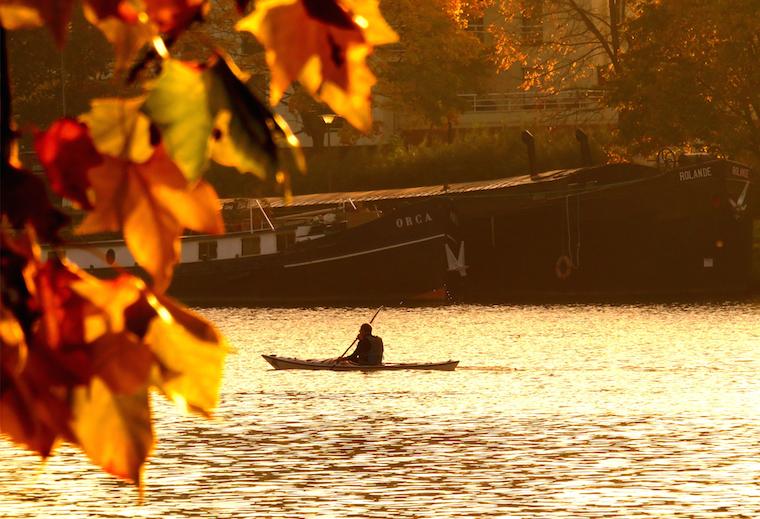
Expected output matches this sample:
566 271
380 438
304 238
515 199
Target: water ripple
633 411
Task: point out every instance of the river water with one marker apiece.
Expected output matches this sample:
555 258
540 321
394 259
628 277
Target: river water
555 411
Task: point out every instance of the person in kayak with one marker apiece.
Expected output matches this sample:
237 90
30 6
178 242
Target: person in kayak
369 351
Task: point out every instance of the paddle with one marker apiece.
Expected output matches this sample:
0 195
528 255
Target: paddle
356 338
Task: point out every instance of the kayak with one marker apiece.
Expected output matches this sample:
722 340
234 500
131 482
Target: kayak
329 364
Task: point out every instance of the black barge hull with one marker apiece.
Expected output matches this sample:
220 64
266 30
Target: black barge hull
400 257
612 231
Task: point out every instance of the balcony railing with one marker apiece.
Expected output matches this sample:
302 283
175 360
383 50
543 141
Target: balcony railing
564 101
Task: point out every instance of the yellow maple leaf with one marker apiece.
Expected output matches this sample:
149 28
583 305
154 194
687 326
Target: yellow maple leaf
119 129
324 46
152 203
126 36
107 301
114 430
190 353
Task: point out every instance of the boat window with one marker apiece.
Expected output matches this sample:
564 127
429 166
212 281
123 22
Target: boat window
285 240
206 250
250 246
110 256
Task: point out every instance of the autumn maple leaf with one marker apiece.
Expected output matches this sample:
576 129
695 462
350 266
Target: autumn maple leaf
123 27
324 45
24 14
152 202
67 152
119 129
207 111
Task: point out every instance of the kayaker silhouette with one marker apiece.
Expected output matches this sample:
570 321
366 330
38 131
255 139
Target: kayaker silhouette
369 350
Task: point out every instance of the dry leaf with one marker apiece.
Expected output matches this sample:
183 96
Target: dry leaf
152 203
324 45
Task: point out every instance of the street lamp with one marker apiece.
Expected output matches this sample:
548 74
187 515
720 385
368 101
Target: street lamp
328 119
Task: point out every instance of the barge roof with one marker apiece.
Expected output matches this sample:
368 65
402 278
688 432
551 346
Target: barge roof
607 172
318 199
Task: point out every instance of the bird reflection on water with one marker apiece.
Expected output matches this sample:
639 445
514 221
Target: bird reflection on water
556 411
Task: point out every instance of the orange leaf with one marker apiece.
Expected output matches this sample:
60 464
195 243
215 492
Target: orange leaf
118 128
19 419
60 309
152 203
33 407
324 45
114 430
107 300
122 361
122 27
174 15
121 9
24 14
67 152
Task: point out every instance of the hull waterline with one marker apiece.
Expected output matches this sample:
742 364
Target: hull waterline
330 365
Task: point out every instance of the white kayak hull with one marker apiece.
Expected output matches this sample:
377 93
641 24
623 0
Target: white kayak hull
290 363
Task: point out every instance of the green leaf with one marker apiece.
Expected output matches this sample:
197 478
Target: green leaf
244 126
179 104
212 113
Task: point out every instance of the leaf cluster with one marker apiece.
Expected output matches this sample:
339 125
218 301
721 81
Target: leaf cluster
80 355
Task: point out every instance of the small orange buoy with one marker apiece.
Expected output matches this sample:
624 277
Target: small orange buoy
564 267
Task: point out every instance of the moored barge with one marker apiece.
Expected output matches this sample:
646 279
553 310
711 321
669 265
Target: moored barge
604 231
612 230
343 253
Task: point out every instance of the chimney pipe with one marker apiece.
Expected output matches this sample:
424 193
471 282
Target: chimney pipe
582 138
530 144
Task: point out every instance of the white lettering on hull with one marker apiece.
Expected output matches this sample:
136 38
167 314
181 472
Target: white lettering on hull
694 174
417 219
740 172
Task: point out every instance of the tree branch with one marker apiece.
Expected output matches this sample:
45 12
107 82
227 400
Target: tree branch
611 52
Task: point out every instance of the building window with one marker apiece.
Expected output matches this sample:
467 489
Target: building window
285 240
206 250
602 74
532 27
250 246
476 26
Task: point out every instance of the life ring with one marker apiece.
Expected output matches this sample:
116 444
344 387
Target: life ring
564 267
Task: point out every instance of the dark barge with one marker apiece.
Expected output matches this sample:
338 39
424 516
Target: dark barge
337 254
612 230
617 230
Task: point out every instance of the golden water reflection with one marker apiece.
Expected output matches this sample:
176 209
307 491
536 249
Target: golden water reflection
556 411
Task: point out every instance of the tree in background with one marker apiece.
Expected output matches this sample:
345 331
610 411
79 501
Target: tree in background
691 77
48 83
435 60
560 43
